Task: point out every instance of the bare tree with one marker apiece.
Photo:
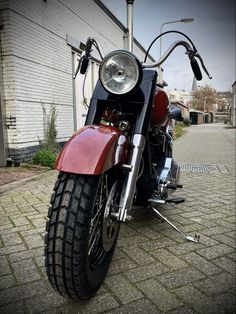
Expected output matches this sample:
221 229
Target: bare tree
204 99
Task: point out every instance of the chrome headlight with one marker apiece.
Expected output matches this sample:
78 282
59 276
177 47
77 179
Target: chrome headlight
120 72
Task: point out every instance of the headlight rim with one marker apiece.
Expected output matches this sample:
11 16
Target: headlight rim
139 66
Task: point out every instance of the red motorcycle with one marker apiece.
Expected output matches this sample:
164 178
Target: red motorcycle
121 157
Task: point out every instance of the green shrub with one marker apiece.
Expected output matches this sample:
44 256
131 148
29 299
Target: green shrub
49 148
178 130
44 157
50 142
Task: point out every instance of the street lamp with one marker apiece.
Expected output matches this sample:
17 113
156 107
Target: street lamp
185 20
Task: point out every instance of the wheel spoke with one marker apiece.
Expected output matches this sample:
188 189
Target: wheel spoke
94 240
110 231
103 227
110 222
95 227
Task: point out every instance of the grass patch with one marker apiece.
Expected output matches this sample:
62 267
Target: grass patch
179 130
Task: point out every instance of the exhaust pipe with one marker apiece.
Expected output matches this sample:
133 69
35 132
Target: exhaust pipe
130 24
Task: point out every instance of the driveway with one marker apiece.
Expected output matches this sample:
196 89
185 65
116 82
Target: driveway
154 269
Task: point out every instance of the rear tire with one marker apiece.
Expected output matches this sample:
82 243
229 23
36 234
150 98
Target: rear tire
80 219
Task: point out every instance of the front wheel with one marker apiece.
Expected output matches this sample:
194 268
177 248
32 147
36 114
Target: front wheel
81 232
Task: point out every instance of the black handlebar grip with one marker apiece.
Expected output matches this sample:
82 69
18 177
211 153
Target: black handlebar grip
196 70
84 65
88 46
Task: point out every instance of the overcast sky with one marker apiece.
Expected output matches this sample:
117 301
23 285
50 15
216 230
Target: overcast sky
213 32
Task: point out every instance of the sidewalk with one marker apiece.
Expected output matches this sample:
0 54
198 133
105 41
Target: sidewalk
154 270
207 144
14 174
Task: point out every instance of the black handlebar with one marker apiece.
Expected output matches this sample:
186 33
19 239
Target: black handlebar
190 51
196 69
86 57
88 46
84 65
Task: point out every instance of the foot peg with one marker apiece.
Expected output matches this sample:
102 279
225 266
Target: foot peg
176 200
174 186
195 239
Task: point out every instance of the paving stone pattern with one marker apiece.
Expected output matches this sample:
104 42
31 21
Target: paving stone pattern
11 174
154 269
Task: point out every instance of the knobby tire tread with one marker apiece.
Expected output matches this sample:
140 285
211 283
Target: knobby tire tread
67 232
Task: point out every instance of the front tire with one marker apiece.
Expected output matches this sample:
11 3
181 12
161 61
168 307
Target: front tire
81 232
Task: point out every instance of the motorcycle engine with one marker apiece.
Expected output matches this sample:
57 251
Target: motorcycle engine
167 177
158 143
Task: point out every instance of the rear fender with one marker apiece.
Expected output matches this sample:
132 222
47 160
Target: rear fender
93 150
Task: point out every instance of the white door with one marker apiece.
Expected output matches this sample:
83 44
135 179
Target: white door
83 87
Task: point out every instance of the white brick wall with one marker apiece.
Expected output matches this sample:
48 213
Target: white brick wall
37 62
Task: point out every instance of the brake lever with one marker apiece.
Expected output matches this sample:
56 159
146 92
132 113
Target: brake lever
203 65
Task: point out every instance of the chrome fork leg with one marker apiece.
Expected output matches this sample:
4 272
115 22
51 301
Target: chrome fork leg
137 147
189 238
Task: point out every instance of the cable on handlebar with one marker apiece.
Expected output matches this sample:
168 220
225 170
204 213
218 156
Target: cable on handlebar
98 49
203 65
167 32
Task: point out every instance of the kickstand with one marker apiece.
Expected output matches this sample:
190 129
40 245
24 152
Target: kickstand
189 238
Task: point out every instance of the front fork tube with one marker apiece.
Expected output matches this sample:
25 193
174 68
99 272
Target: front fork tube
137 147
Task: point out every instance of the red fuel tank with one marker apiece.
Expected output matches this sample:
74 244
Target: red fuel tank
160 107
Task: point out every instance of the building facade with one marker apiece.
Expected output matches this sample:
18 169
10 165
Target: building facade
196 116
233 108
40 48
182 96
223 107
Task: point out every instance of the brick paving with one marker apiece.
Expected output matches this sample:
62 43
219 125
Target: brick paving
12 174
154 270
